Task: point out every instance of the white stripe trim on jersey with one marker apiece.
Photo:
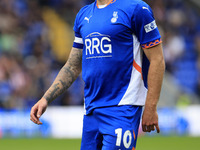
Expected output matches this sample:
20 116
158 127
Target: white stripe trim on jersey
136 91
137 51
78 40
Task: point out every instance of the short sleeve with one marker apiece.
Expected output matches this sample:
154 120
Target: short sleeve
144 26
78 41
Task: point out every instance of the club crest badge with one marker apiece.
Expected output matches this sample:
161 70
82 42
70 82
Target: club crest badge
115 17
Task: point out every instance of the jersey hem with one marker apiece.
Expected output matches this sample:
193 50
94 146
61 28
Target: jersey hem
87 112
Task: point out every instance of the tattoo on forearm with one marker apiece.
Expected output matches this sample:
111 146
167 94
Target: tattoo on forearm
53 93
67 70
65 85
66 76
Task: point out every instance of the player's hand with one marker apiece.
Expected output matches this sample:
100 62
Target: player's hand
150 120
37 110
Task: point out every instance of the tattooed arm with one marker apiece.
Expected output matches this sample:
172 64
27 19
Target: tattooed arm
64 79
66 76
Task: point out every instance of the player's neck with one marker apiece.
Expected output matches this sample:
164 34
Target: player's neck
103 2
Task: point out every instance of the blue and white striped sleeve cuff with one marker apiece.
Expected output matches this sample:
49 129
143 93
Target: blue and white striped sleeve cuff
78 42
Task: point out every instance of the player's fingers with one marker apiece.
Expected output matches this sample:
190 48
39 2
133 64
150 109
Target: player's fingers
33 114
144 128
39 122
152 127
35 121
39 112
157 128
148 128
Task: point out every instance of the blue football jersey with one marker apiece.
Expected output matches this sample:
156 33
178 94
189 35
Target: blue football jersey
114 68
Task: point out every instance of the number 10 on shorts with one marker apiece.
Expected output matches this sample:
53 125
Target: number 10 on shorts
127 137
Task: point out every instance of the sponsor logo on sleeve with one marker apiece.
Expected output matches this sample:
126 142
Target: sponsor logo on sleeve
150 27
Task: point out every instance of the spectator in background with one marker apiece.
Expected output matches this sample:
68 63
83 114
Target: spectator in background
179 24
26 49
197 42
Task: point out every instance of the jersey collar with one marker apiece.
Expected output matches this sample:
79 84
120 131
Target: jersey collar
110 2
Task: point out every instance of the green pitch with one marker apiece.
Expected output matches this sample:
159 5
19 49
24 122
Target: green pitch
168 143
144 143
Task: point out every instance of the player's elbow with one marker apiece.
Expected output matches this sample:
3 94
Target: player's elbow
162 62
159 62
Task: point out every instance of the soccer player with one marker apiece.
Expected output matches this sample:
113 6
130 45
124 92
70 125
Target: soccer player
118 48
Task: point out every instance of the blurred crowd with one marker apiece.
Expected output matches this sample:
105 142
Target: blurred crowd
178 21
36 37
35 40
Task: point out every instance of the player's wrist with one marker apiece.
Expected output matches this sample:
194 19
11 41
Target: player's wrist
45 99
151 106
